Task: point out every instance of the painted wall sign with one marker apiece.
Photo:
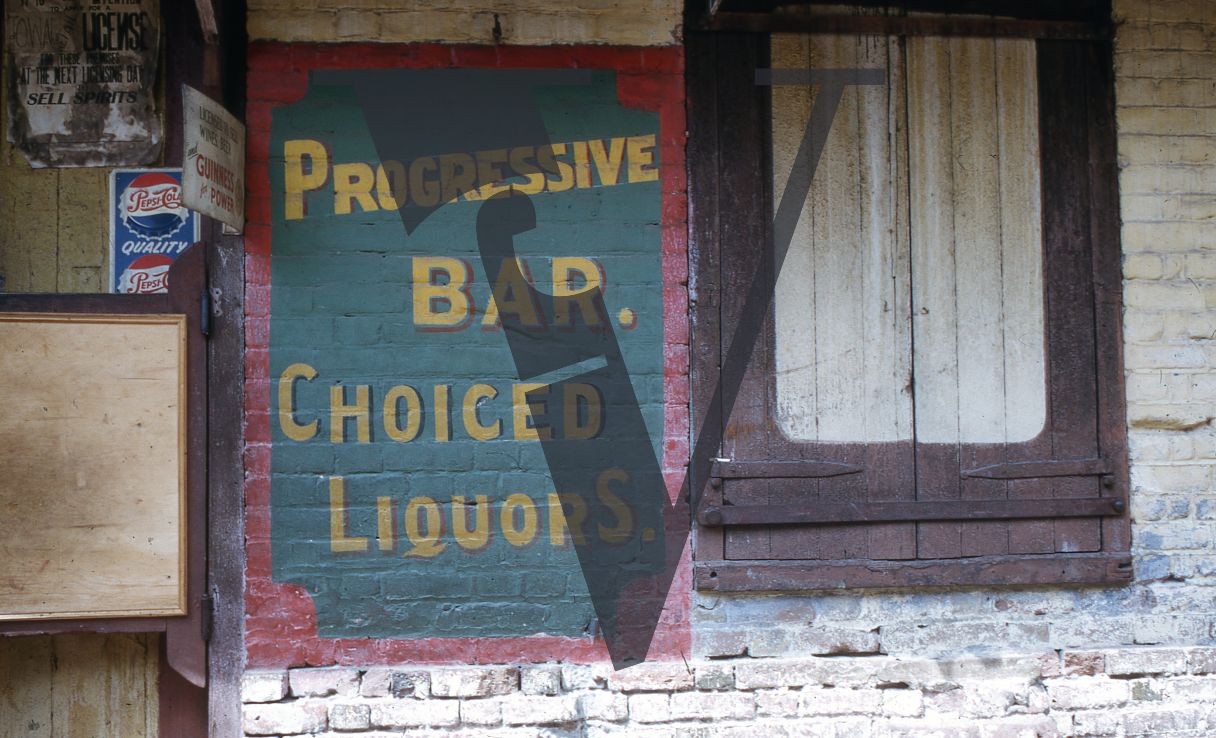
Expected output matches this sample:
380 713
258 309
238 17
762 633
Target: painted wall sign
81 81
149 228
213 174
431 476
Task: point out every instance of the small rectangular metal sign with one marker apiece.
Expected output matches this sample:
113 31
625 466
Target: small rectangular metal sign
213 176
149 228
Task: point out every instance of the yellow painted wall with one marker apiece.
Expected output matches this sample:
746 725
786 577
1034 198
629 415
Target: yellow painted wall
53 232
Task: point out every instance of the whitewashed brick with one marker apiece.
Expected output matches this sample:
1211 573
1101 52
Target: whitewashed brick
349 716
288 718
839 701
323 682
540 679
652 677
1128 662
703 705
650 708
603 705
1087 693
902 703
481 712
263 686
474 681
414 713
537 710
714 677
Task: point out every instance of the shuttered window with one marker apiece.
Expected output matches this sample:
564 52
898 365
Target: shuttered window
935 397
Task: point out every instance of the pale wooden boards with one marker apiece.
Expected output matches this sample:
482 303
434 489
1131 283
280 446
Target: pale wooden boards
912 294
92 465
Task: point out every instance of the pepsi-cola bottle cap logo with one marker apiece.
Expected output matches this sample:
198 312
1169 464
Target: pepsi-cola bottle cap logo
152 205
146 275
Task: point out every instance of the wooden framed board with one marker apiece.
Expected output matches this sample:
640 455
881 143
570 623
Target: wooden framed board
93 465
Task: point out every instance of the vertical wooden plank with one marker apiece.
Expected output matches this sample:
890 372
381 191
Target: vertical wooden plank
25 679
704 272
1108 284
1021 221
890 468
79 689
742 233
977 208
935 353
1069 277
127 688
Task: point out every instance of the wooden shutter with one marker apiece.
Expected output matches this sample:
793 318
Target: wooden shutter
783 514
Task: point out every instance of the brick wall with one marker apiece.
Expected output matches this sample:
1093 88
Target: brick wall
1134 660
1140 692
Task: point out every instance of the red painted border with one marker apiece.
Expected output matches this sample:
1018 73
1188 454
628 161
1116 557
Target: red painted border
280 624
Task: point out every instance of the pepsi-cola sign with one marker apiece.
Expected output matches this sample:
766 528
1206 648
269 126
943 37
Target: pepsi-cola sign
149 228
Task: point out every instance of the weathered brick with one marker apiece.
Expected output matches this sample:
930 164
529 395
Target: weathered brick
414 713
650 708
1083 663
707 705
1163 722
263 686
652 677
540 679
1131 662
837 701
288 718
902 702
1202 661
603 705
1087 693
323 682
538 710
714 676
481 712
474 681
345 716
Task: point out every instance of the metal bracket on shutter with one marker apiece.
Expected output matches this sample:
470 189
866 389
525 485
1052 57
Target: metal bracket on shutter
875 512
1035 469
781 469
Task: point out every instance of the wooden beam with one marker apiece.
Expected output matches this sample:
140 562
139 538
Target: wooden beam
883 25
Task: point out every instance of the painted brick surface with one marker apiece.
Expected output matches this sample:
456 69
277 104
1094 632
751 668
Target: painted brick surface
437 602
523 22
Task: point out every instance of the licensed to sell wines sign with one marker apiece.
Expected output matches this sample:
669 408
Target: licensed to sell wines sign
81 81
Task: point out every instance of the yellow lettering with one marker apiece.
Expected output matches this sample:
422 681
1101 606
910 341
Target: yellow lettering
521 165
525 412
339 542
425 192
641 159
443 424
547 157
353 183
572 394
566 296
608 163
489 174
392 413
386 530
292 428
582 166
561 521
339 411
456 175
479 536
424 544
511 294
391 187
431 294
296 181
472 424
526 533
620 532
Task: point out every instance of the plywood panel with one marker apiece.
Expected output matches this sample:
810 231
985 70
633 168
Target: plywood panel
91 448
